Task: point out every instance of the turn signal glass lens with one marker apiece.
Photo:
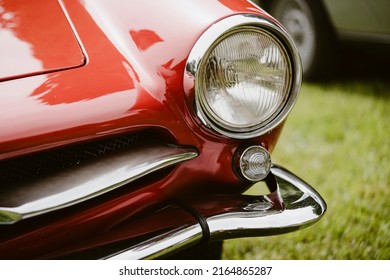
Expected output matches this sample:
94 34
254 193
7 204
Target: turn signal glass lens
245 80
255 163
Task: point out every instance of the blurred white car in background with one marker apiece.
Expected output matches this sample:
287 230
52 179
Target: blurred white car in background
319 28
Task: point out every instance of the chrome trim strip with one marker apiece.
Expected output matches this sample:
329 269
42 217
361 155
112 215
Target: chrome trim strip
262 216
87 181
161 245
208 39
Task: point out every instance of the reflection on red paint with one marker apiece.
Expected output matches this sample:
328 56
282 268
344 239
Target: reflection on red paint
106 72
38 39
144 39
35 39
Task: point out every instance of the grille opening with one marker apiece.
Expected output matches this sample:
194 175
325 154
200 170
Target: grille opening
26 168
21 169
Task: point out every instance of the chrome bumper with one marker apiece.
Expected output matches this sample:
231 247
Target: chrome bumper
291 205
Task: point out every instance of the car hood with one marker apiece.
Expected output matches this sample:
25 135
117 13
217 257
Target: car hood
35 39
131 79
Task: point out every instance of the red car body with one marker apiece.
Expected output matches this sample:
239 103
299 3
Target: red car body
81 74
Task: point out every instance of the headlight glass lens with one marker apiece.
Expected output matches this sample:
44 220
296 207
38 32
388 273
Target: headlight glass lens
244 80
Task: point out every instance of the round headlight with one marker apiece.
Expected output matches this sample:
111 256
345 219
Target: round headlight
244 81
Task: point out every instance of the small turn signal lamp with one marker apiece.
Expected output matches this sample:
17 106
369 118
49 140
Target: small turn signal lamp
253 163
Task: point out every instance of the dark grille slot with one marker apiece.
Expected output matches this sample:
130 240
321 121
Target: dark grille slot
41 164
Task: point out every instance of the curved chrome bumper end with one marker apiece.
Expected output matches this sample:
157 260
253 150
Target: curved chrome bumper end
292 205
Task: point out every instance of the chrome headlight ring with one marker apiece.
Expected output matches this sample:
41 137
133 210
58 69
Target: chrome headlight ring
245 72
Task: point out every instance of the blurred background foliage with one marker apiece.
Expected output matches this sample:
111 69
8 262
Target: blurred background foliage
337 138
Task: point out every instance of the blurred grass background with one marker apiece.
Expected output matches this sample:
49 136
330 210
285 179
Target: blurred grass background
337 138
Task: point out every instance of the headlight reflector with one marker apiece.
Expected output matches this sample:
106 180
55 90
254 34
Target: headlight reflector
246 81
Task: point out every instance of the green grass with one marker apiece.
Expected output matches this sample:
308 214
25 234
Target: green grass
337 138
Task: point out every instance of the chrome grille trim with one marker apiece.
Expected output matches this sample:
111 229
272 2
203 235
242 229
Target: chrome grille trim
16 171
94 178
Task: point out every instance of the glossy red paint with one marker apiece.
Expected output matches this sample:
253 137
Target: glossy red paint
35 39
143 87
132 80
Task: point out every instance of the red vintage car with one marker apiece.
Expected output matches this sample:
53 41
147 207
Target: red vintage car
131 129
